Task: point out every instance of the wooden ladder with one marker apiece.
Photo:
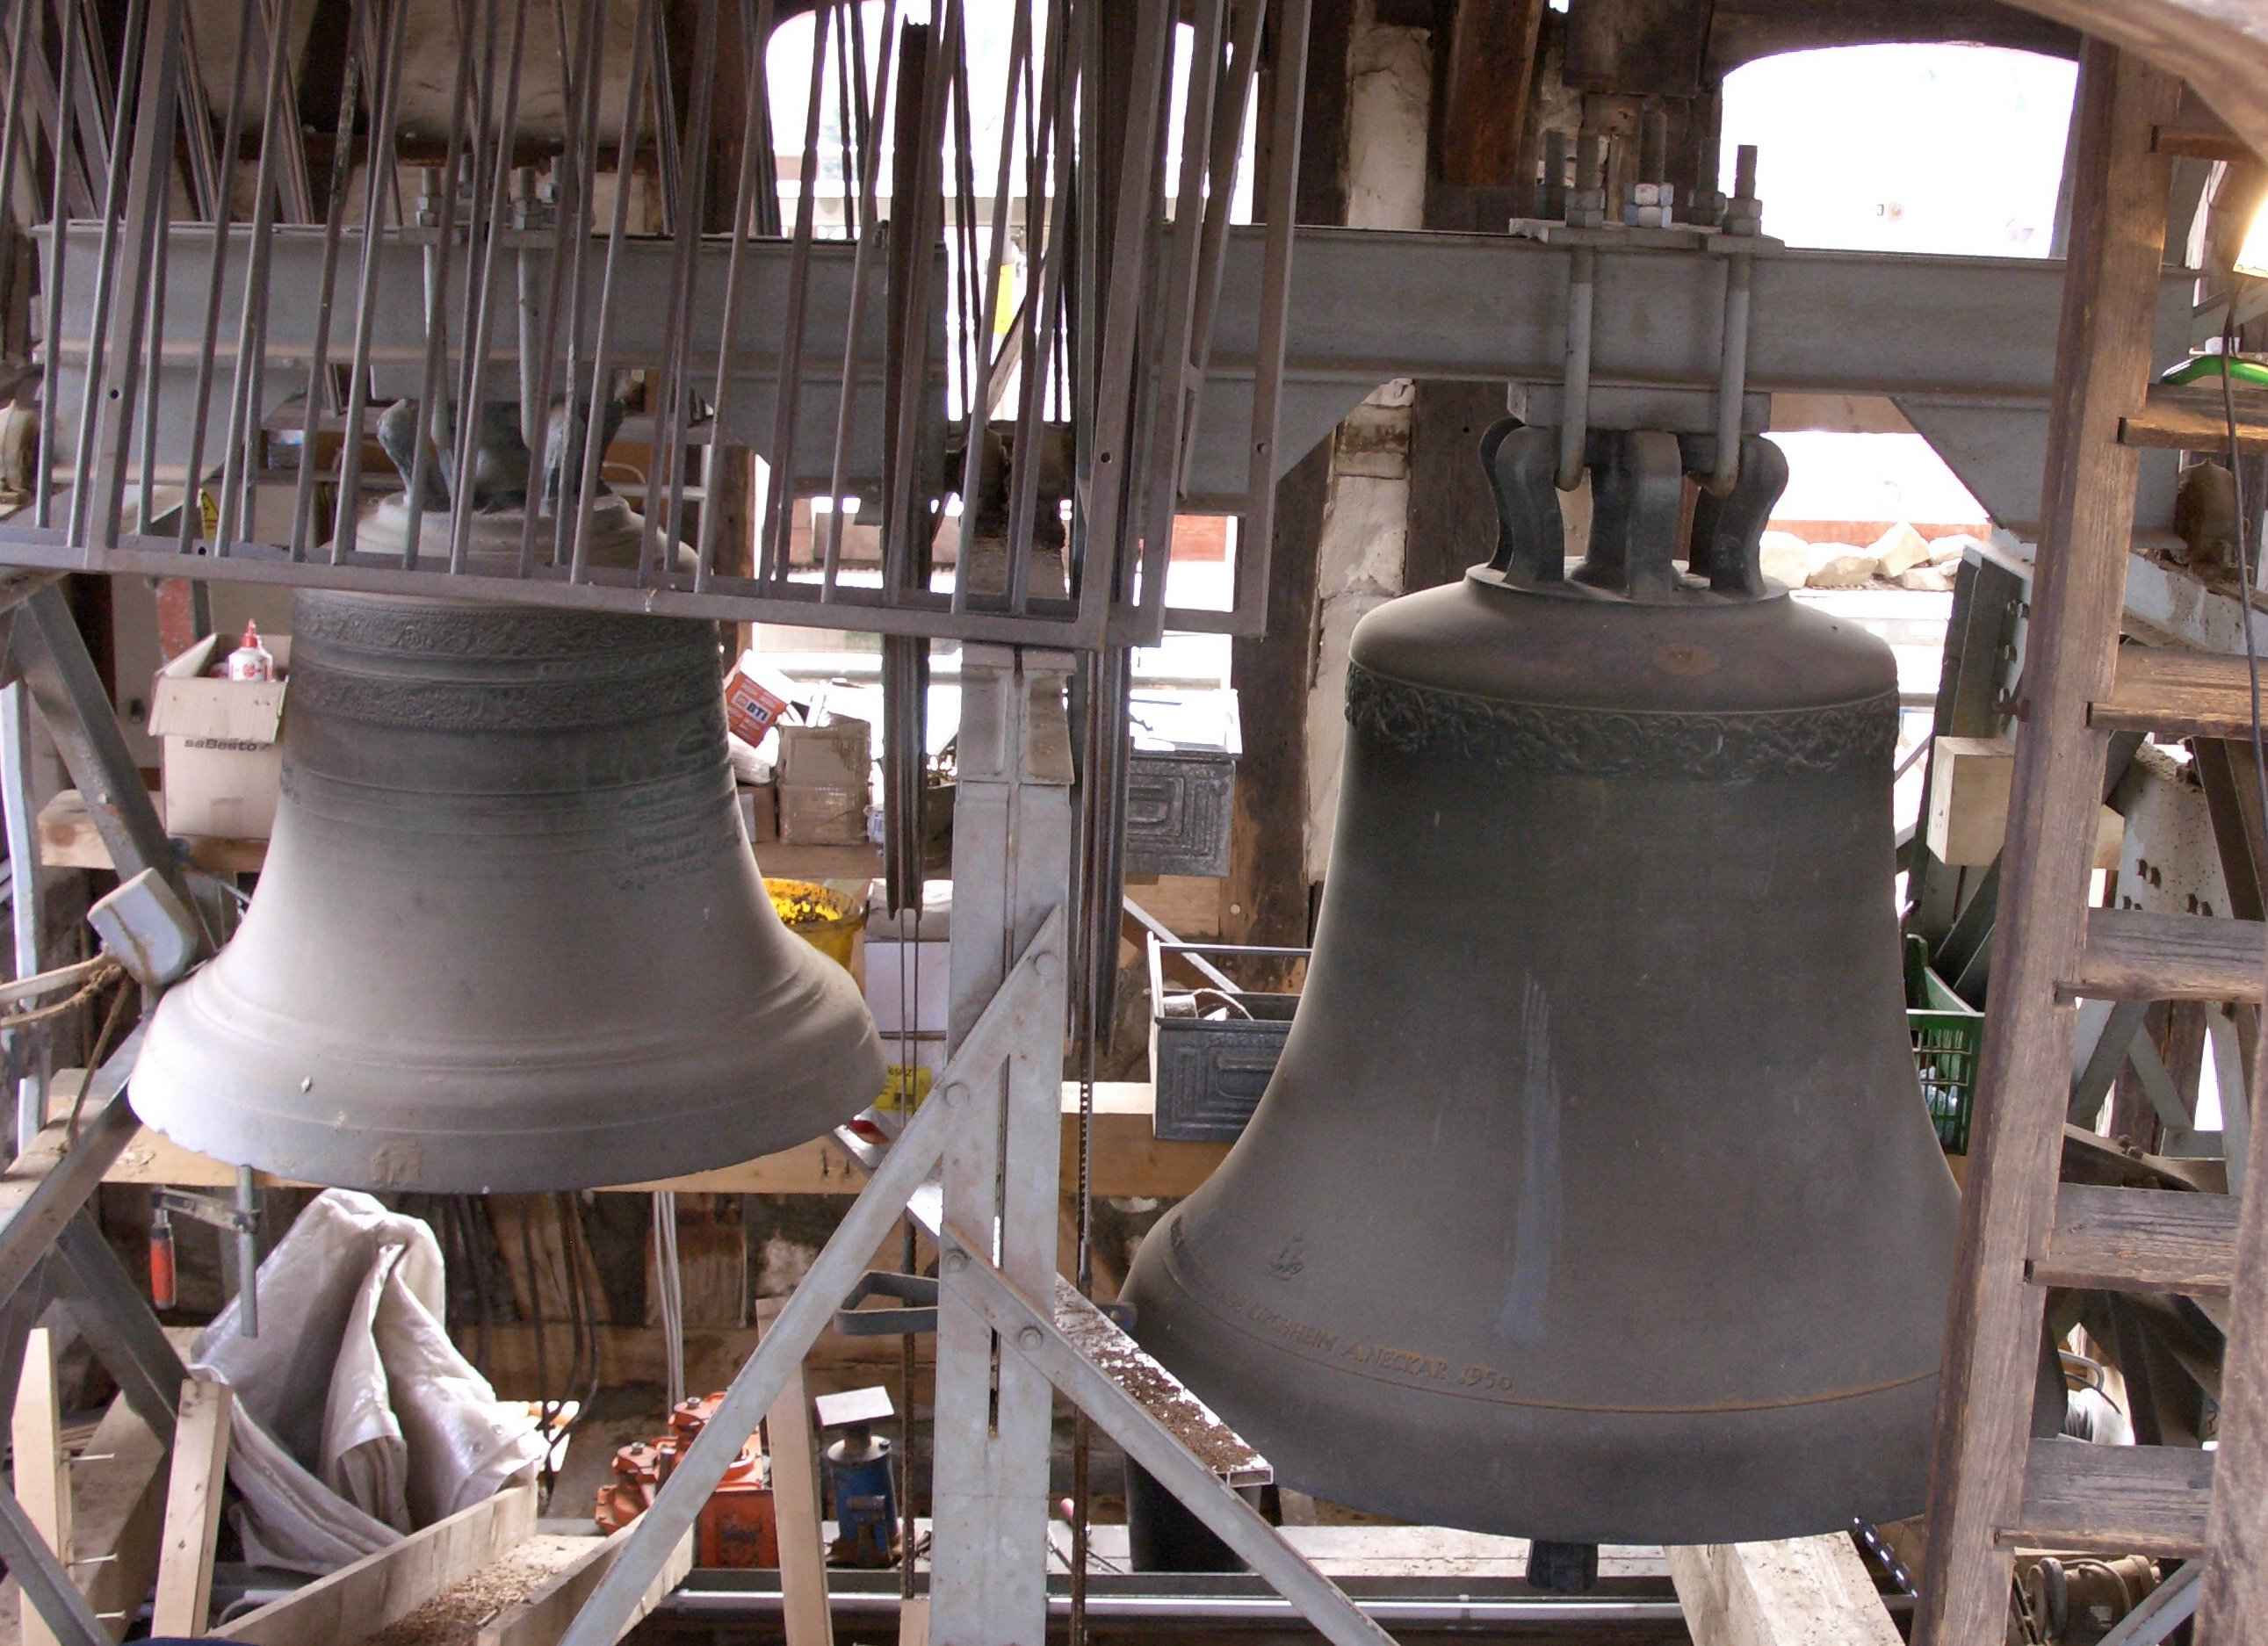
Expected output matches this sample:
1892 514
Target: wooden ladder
1993 1486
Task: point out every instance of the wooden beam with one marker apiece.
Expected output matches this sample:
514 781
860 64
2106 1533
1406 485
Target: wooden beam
358 1600
1804 1592
2102 368
540 1618
42 1472
806 1620
192 1501
1639 48
1484 98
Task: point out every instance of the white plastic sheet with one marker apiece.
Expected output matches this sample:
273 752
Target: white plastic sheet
357 1420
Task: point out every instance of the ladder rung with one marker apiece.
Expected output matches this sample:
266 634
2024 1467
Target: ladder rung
2120 1240
2133 1500
2134 954
2178 693
2193 418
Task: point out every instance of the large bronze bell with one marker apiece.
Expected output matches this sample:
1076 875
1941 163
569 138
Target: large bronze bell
510 935
1593 1199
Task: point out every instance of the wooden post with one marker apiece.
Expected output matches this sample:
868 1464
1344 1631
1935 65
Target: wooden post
42 1471
2102 367
1803 1591
806 1618
193 1498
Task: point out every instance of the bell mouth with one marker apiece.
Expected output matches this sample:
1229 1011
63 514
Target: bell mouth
303 1102
1400 1435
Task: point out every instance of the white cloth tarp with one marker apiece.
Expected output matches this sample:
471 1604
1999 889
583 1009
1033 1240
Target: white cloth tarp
357 1420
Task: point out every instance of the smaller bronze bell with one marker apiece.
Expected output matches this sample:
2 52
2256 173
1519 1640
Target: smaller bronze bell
511 935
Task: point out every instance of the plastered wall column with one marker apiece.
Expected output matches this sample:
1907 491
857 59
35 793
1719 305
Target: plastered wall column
1390 78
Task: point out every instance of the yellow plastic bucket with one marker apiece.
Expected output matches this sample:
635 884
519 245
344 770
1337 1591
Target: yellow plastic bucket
828 921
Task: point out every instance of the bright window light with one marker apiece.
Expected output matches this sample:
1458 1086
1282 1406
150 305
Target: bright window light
2252 257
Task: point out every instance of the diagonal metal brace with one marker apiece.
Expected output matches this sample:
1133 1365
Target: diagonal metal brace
45 1583
1033 988
1031 1332
48 647
34 1209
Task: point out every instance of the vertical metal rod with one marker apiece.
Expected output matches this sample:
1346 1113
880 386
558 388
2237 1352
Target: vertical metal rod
386 98
207 175
846 121
437 305
52 292
19 50
468 395
1731 373
668 162
303 496
247 1255
92 408
779 497
296 183
24 870
1255 534
524 310
1552 188
595 434
1135 208
566 218
153 356
863 107
1053 156
581 160
874 238
483 304
150 129
1575 396
255 286
974 307
223 218
976 417
670 425
905 516
756 29
1167 398
1222 169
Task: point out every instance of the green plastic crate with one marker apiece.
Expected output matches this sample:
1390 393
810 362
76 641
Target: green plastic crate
1946 1048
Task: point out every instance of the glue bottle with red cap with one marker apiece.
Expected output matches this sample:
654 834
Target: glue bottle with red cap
251 660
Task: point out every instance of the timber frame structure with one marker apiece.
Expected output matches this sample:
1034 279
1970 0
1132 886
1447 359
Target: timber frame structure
976 1163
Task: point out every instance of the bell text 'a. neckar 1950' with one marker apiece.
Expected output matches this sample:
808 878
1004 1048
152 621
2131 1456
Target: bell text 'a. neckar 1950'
1593 1198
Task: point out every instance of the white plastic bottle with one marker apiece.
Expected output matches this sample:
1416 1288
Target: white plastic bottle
251 660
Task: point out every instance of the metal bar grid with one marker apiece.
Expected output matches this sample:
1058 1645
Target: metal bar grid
753 337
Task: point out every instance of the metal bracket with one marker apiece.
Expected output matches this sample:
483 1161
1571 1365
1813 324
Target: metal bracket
917 1290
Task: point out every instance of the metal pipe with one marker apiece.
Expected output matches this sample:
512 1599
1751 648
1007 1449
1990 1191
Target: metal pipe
1165 1608
1575 396
248 1256
1732 372
24 866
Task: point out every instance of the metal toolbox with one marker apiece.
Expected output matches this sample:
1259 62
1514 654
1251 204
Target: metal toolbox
1206 1073
1180 782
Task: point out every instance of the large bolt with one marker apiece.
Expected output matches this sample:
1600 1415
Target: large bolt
1030 1337
956 1263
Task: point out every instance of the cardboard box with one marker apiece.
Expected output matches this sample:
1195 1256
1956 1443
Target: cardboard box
838 755
820 814
759 811
755 698
222 762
